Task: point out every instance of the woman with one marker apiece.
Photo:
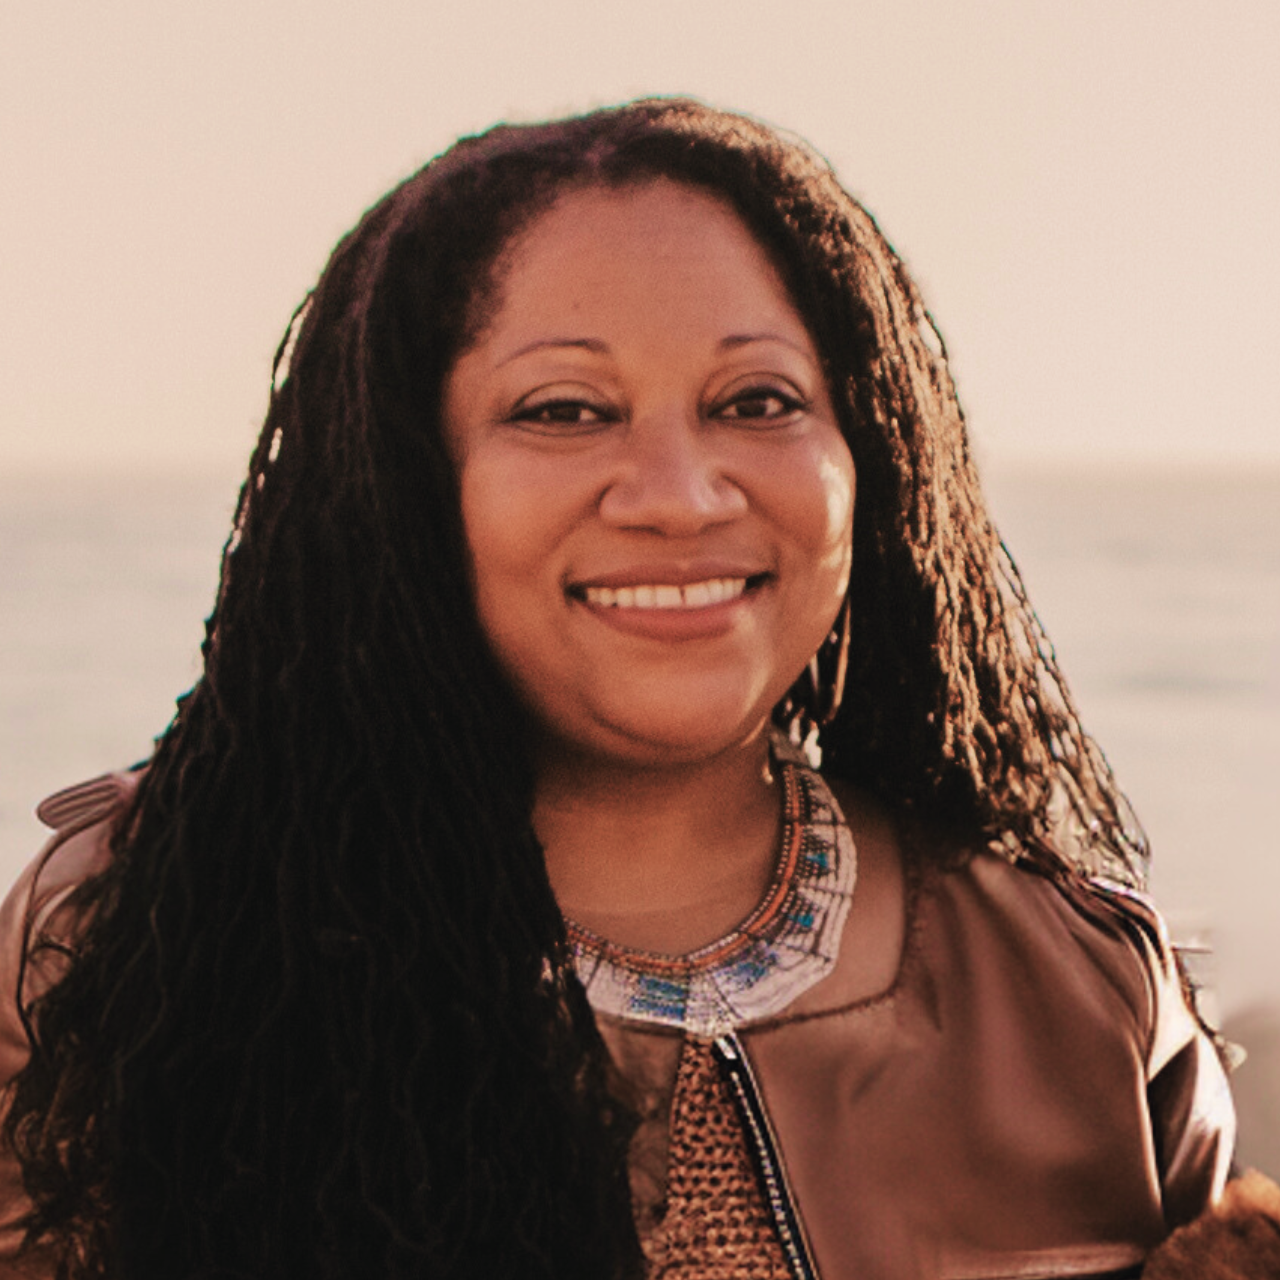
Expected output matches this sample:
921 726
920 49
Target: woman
481 913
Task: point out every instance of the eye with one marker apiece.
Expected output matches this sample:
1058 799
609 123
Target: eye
562 413
765 403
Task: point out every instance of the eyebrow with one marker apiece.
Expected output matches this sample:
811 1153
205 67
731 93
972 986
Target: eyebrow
598 347
583 344
745 339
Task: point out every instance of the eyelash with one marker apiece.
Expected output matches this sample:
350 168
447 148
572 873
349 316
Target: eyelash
539 415
790 401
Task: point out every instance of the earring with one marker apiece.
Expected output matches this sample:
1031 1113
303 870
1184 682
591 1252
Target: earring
815 698
835 653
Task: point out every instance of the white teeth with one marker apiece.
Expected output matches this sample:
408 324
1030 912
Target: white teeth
694 595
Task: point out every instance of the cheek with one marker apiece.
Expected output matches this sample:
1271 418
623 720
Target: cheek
505 513
499 544
822 493
489 544
515 517
839 486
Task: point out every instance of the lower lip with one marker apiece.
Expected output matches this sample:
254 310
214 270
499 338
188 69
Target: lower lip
705 623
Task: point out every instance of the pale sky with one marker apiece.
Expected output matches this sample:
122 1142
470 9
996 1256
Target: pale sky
1086 191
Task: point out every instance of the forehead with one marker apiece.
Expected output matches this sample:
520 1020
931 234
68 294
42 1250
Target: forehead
651 244
646 211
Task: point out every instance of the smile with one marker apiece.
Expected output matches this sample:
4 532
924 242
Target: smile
692 595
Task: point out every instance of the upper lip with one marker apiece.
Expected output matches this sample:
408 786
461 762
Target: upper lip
669 573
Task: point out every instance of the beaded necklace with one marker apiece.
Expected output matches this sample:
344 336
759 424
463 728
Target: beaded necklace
787 944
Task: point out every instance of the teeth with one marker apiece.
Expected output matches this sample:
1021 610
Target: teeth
695 595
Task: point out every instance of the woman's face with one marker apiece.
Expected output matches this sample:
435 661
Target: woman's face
657 498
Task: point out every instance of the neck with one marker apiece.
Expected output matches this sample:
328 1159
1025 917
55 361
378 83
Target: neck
662 859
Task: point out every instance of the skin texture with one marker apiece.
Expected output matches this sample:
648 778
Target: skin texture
645 407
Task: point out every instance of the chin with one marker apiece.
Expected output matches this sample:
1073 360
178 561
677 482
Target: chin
681 739
658 721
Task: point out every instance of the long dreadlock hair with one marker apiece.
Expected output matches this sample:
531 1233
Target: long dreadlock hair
322 1020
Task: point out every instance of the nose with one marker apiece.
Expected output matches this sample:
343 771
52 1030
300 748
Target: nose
672 479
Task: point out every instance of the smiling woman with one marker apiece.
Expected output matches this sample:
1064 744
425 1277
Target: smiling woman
485 910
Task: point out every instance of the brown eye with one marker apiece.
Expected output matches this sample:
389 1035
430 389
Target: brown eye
561 413
761 404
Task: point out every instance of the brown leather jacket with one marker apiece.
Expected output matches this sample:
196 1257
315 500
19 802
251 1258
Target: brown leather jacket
999 1079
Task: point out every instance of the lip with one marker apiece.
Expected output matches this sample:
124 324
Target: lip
674 625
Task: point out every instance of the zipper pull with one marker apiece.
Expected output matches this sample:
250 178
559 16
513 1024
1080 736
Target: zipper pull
727 1047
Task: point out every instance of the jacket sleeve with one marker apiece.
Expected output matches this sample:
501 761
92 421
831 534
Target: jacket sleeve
1193 1124
14 1052
37 931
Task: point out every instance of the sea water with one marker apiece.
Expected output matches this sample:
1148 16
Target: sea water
1160 590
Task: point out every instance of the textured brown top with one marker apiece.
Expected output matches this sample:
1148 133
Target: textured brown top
714 1223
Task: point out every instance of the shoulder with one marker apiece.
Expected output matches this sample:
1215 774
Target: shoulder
38 922
1087 968
982 931
967 921
1071 939
38 928
83 818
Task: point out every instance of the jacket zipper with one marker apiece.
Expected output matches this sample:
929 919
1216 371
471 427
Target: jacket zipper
736 1069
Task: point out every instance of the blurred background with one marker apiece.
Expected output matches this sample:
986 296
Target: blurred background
1086 194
